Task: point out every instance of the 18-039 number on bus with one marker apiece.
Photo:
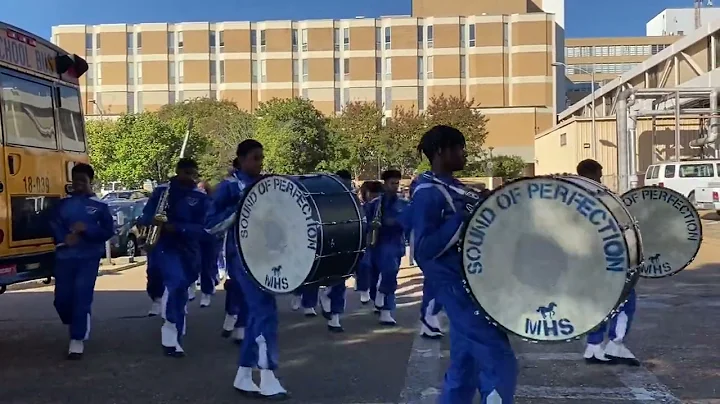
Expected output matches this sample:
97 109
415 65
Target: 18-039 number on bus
37 185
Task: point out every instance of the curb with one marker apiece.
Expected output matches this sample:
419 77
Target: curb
41 283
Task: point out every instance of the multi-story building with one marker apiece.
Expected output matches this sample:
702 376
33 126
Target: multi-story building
679 21
500 54
608 58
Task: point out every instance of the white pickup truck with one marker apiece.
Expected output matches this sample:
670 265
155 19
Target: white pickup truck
708 198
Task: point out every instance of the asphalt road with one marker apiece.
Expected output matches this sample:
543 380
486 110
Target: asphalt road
674 334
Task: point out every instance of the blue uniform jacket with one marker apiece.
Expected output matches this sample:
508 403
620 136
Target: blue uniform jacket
186 210
392 232
437 217
98 222
223 211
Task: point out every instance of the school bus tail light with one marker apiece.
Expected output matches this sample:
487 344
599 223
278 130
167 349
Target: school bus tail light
662 184
715 197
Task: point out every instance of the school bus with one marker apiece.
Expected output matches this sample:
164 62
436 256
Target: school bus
43 137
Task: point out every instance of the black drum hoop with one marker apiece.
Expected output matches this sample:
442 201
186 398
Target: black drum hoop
316 215
697 214
623 296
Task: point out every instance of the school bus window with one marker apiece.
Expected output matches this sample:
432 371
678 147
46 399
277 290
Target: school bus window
31 216
71 120
28 112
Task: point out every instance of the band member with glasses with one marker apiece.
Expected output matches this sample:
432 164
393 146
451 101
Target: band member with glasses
481 357
81 224
615 351
177 252
259 348
364 283
383 216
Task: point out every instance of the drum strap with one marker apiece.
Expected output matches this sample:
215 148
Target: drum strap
456 237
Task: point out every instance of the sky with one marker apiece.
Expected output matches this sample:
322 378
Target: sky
583 18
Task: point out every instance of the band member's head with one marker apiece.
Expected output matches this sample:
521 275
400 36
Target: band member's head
250 157
370 190
186 171
82 178
444 146
590 168
347 177
391 180
234 165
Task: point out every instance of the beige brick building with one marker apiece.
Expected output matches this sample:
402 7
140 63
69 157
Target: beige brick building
500 53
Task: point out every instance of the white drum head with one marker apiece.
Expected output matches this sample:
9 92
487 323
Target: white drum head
670 227
278 234
545 259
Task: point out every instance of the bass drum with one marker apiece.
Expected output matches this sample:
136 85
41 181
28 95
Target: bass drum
671 229
299 230
547 259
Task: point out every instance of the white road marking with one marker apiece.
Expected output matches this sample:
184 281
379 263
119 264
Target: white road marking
645 384
579 393
423 372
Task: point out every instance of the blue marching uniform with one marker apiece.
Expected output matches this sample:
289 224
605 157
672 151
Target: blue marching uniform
76 267
384 258
209 275
307 298
617 329
177 254
225 204
481 357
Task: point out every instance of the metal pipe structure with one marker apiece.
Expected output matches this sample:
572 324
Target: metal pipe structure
622 141
700 112
677 127
653 137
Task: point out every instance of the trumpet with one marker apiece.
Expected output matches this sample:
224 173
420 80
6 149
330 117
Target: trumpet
471 196
153 233
376 224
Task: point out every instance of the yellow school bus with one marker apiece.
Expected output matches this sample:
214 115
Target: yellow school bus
43 137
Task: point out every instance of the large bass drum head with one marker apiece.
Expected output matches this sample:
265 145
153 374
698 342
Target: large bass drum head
545 259
278 234
670 226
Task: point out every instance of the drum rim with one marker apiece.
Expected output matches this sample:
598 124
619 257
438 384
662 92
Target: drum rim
700 227
246 269
480 310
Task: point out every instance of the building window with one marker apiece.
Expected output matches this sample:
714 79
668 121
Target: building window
213 40
388 68
138 40
213 71
388 98
171 97
130 42
139 73
171 42
387 37
471 35
181 71
378 69
336 68
429 67
222 71
346 38
462 35
420 35
263 71
378 97
97 43
254 71
213 95
563 139
130 103
336 38
99 74
130 73
253 40
336 97
463 67
221 34
420 68
263 44
171 72
346 68
90 74
304 93
430 36
181 42
304 39
421 98
294 40
346 95
139 101
305 70
88 43
506 34
378 38
296 70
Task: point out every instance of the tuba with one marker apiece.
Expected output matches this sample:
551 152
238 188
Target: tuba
153 233
376 224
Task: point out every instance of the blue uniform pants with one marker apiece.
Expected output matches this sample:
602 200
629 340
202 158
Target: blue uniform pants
259 349
178 274
336 294
385 267
74 289
308 296
209 275
364 275
430 304
235 303
481 358
155 287
619 325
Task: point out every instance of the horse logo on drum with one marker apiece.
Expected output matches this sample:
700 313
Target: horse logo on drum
547 311
654 266
546 325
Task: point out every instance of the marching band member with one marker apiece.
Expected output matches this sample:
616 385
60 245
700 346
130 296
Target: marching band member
259 348
364 283
481 357
307 298
385 255
81 224
615 351
209 276
177 252
154 287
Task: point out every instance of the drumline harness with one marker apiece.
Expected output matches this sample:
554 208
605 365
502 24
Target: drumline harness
224 226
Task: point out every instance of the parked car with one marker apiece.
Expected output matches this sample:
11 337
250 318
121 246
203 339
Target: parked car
684 176
126 195
708 198
128 239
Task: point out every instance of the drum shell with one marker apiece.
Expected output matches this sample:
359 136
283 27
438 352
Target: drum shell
612 204
341 230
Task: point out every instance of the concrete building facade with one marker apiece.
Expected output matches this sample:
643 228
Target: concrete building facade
679 21
501 57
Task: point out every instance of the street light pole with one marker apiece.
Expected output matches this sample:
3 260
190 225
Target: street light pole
592 105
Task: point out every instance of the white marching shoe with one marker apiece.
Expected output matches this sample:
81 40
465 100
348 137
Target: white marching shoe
191 292
594 353
364 297
386 318
238 335
618 352
270 386
205 300
170 343
155 308
244 383
295 303
228 325
334 323
429 333
325 303
310 312
76 349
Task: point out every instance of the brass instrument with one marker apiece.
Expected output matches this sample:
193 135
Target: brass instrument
376 224
153 233
471 196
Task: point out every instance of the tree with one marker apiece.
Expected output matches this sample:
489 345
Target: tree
357 132
402 135
463 115
507 167
294 135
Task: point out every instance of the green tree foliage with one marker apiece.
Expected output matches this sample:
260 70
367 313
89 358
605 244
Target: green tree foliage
294 135
358 136
402 135
463 115
507 167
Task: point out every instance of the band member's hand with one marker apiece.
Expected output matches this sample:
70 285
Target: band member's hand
159 219
169 228
78 227
71 239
